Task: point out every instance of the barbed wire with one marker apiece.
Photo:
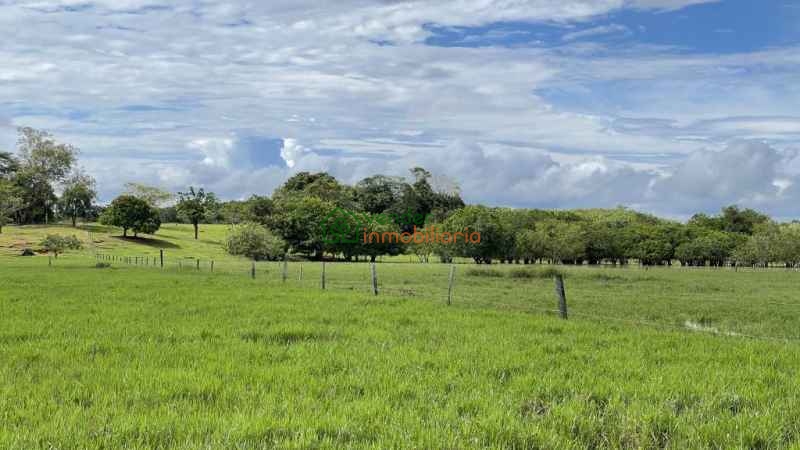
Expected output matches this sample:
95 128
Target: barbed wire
334 285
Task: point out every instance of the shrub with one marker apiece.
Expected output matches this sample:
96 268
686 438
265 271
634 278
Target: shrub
545 273
28 252
56 244
490 273
102 265
254 241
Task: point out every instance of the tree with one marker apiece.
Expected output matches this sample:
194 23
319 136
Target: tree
254 241
378 193
154 196
531 245
302 222
8 164
56 244
43 162
476 219
259 209
78 196
320 185
195 206
131 213
10 203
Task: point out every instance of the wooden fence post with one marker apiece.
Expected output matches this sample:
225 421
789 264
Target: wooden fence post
300 277
323 275
198 264
212 266
450 285
253 271
562 297
374 279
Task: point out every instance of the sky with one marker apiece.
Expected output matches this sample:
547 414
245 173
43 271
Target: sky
667 106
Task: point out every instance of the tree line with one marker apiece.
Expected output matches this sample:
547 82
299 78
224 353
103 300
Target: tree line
42 183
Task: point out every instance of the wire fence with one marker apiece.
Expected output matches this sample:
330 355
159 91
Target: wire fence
679 310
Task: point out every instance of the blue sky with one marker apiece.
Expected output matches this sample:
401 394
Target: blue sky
670 106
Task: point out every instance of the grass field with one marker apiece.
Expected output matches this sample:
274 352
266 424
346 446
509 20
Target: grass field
138 357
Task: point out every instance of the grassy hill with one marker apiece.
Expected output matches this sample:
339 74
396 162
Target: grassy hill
176 239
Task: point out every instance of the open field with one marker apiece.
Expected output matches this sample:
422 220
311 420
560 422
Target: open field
137 357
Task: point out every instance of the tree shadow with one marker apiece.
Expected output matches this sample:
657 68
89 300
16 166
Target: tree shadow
156 243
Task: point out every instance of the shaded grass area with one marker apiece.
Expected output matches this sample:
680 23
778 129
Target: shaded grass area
120 357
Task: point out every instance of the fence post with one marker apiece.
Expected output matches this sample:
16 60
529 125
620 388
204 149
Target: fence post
253 270
562 297
161 252
450 286
300 277
285 272
212 265
323 275
374 279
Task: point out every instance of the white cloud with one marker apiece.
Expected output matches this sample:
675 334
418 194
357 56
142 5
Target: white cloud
169 95
596 31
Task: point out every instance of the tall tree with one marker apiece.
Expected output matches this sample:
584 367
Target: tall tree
43 163
196 205
10 203
378 193
78 196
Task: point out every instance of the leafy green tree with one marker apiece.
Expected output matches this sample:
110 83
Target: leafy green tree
10 203
319 185
375 224
259 209
378 193
302 222
43 162
195 206
255 241
56 244
78 196
531 245
476 219
131 213
706 247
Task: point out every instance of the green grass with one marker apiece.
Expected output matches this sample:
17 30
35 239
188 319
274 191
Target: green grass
137 357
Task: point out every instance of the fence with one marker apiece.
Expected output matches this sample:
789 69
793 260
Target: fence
696 301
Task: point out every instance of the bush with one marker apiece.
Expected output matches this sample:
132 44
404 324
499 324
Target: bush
490 273
56 244
28 252
102 265
254 241
546 273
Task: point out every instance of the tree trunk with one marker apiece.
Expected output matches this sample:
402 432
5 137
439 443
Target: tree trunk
124 232
195 230
74 219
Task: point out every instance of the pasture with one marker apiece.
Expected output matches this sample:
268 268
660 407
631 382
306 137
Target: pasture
139 357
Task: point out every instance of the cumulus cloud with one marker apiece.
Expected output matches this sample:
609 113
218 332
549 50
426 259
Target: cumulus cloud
292 151
171 93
